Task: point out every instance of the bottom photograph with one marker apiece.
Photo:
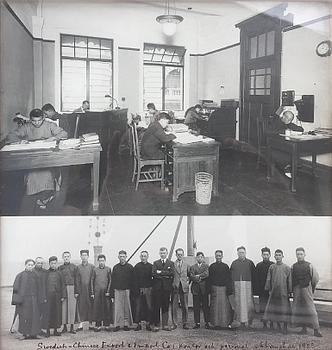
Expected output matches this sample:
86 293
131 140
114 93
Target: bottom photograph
166 282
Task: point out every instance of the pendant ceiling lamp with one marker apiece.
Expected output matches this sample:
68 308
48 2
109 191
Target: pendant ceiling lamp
169 21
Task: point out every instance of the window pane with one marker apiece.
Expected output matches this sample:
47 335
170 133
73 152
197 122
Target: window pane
252 82
94 53
260 82
252 92
80 41
268 81
73 84
167 58
106 54
147 56
67 51
106 44
100 85
261 45
94 43
80 52
267 92
270 43
260 92
157 58
67 40
260 71
153 86
268 70
173 88
253 47
252 72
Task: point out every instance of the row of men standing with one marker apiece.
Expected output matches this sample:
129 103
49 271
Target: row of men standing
70 294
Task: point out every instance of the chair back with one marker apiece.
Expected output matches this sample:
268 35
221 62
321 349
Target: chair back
136 146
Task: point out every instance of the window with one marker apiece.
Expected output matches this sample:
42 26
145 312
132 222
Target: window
262 45
163 76
86 71
260 81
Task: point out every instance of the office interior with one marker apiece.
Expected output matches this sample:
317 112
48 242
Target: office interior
116 55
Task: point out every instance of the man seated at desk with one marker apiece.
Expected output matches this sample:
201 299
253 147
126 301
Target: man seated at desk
191 117
155 136
40 183
279 125
85 107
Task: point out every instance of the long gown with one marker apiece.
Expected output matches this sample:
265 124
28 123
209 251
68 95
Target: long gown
26 298
279 284
261 271
100 285
82 288
42 179
242 277
304 281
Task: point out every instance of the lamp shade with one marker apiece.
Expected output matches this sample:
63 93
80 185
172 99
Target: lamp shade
169 28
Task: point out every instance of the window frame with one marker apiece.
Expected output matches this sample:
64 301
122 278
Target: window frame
87 60
163 66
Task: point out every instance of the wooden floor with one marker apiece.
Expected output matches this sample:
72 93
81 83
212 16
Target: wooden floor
243 189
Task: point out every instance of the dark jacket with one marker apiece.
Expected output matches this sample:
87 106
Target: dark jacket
164 279
199 278
152 140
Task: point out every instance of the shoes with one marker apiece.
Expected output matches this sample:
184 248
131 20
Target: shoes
185 326
72 331
79 329
126 328
197 325
116 329
91 328
57 334
166 328
317 333
155 329
64 330
97 329
288 171
207 326
138 328
174 326
148 328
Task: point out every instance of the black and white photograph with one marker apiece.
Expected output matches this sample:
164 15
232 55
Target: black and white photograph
165 174
165 283
148 107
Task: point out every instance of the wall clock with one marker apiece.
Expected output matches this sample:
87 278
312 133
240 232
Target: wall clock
323 49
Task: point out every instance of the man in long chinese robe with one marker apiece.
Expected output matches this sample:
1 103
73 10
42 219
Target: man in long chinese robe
243 271
100 293
279 285
304 282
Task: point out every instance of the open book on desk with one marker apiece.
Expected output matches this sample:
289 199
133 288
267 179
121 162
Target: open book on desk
32 145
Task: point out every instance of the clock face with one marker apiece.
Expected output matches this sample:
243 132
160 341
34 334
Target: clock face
323 49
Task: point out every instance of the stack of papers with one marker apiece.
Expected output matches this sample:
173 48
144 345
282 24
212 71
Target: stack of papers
32 145
186 137
89 140
70 143
176 128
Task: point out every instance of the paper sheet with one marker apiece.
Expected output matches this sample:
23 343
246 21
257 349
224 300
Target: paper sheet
29 146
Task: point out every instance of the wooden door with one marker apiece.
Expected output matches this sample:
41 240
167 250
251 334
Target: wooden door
261 43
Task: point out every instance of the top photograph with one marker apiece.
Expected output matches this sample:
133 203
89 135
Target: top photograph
165 107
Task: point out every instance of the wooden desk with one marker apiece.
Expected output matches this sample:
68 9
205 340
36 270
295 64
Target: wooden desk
36 159
188 159
295 148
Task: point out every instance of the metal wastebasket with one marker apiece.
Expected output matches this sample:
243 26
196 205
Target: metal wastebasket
203 184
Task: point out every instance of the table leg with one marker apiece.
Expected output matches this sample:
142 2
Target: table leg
95 181
270 164
216 175
175 182
294 167
314 163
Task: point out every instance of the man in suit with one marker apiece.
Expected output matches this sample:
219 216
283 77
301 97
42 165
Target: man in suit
163 274
199 274
180 289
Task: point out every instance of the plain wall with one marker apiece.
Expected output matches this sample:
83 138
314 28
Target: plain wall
309 74
16 71
128 79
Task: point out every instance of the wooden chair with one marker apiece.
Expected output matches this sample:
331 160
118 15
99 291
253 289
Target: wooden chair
145 170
